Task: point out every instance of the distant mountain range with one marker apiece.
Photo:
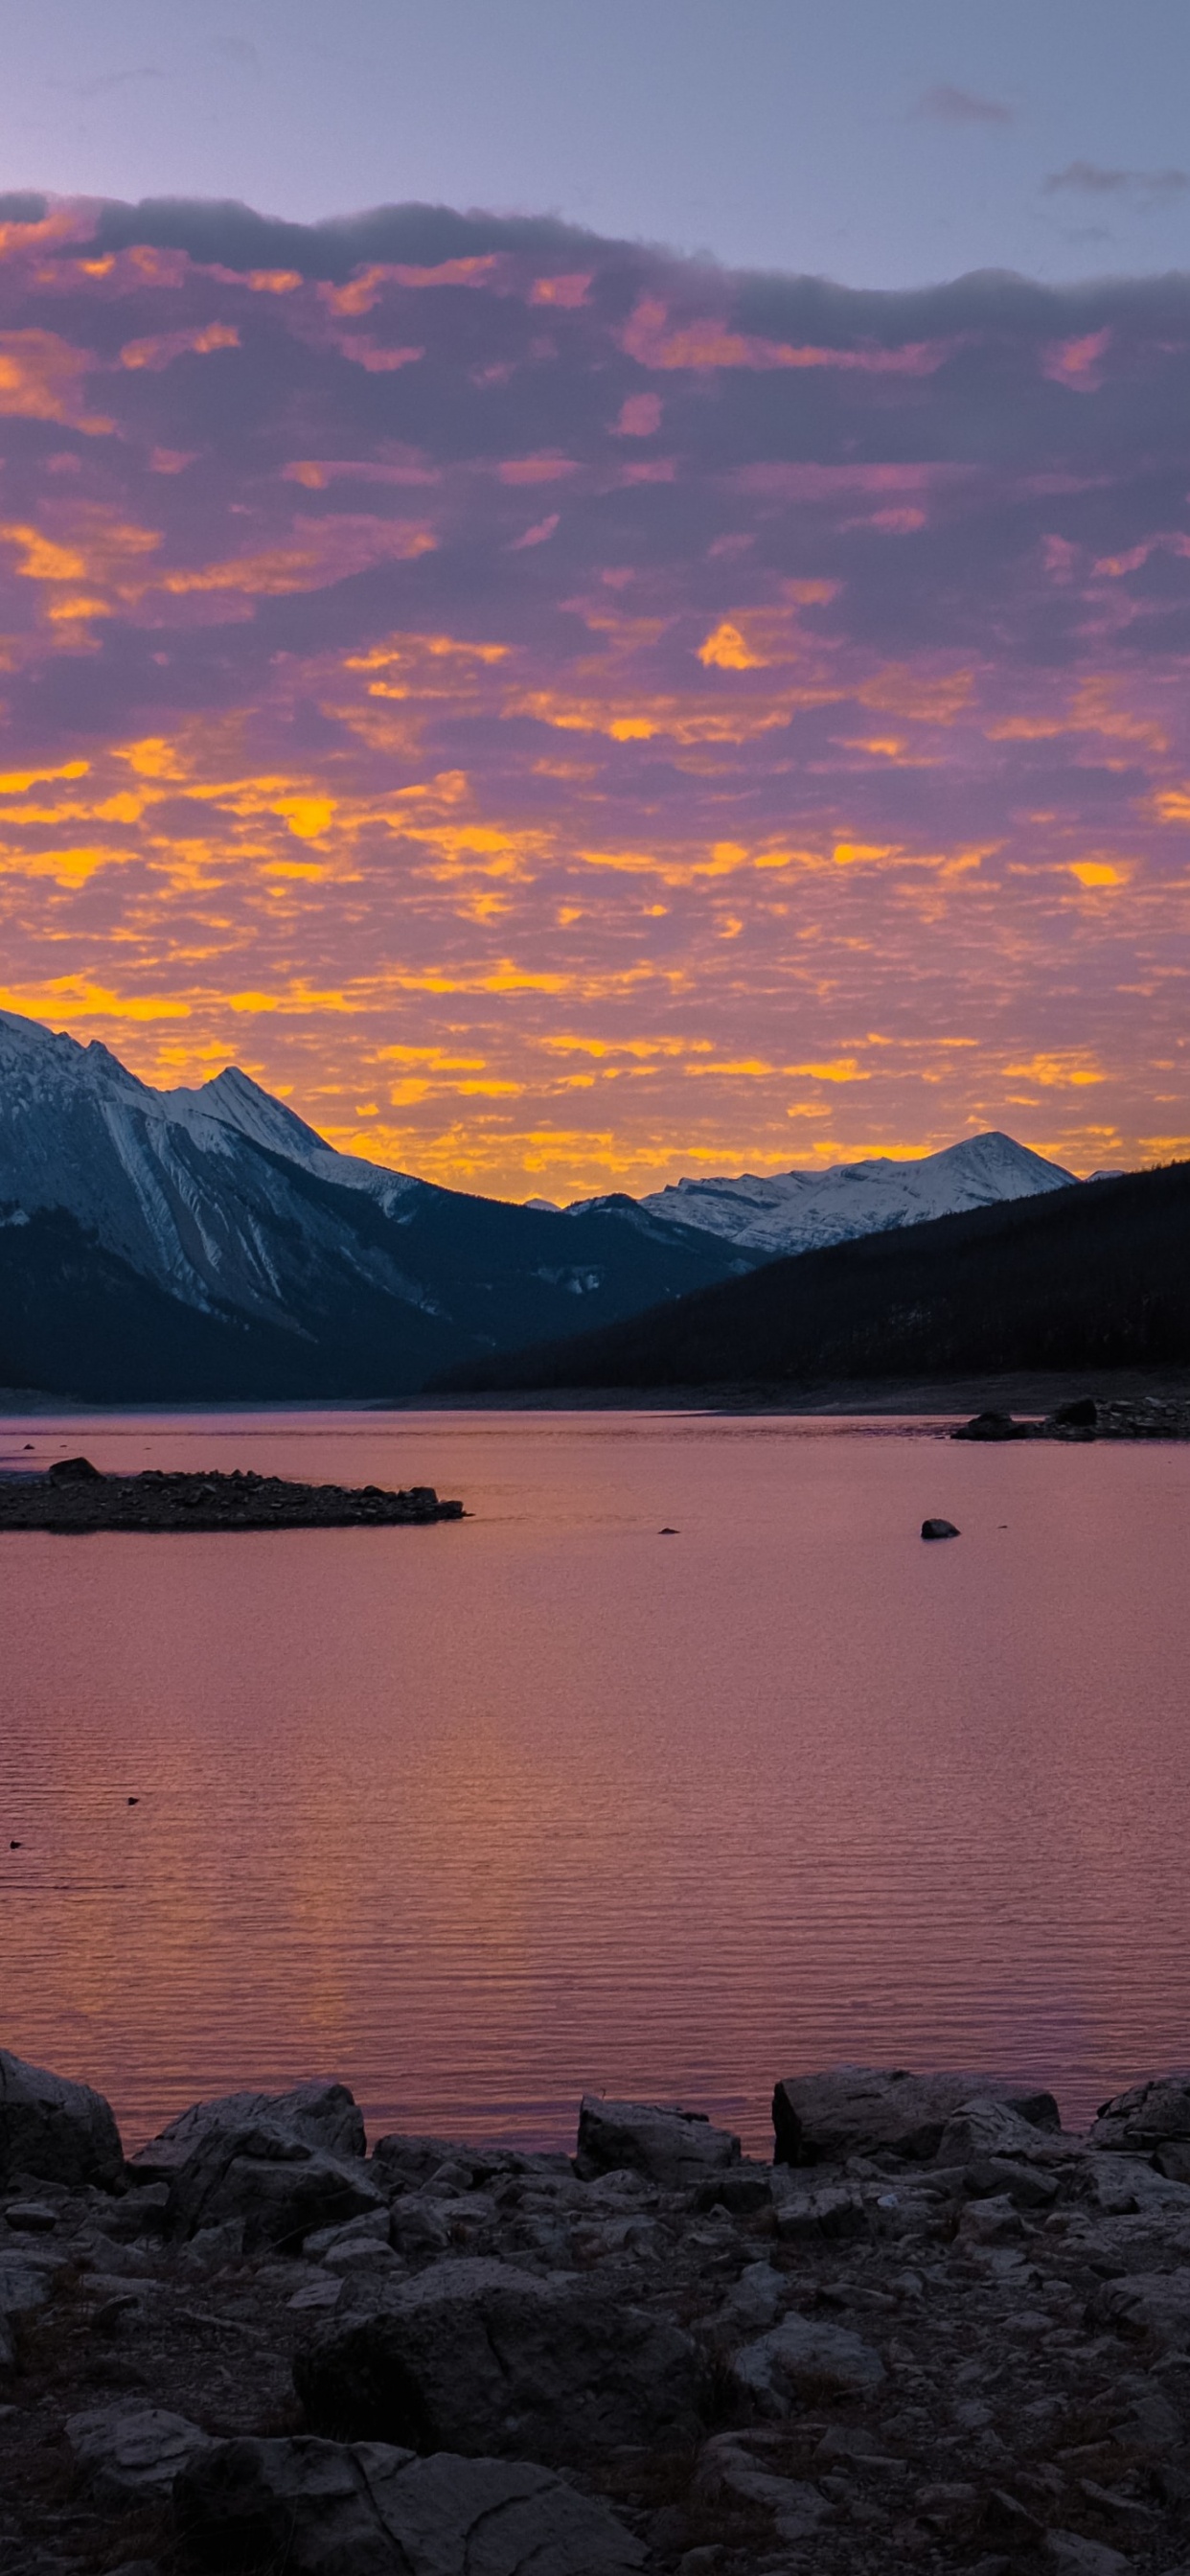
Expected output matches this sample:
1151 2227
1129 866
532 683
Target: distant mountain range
194 1245
1089 1278
800 1211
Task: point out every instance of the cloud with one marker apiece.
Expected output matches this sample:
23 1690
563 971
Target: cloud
425 635
1089 179
953 106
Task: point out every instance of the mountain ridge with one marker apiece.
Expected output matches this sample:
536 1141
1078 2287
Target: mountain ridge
1096 1277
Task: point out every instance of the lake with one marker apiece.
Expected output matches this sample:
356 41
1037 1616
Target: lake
482 1815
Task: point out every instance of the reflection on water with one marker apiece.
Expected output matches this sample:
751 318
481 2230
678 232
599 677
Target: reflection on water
480 1815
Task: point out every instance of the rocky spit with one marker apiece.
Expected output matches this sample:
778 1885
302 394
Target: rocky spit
1146 1417
936 2333
74 1498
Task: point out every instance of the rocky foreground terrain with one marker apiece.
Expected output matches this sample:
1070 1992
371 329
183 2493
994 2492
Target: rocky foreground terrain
935 2333
74 1498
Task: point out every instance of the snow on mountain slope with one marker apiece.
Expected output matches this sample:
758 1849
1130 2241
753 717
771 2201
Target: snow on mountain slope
797 1211
176 1182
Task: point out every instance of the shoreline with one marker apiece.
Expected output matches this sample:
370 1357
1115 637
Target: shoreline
936 2332
1029 1393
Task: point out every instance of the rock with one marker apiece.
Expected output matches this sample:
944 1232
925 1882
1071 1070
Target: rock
1156 2303
831 2211
675 2149
727 2467
868 2110
130 2456
31 2217
1070 2555
323 2115
754 2300
939 1529
477 2356
54 2130
281 2165
418 2227
987 2128
1081 1414
368 2509
24 2286
1148 2116
805 2353
73 1471
993 1426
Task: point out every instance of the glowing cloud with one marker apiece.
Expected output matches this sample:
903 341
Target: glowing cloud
544 706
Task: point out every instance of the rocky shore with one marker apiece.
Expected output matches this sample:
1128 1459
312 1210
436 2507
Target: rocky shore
1085 1417
73 1497
936 2332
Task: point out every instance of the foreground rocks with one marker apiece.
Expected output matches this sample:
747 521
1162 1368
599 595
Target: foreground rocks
74 1497
938 2333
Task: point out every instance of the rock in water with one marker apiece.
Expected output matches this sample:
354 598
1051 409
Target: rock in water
870 2110
993 1426
676 2149
479 2356
323 2508
55 2130
939 1529
74 1471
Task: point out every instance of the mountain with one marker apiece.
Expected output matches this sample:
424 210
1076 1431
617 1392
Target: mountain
799 1211
186 1245
1095 1277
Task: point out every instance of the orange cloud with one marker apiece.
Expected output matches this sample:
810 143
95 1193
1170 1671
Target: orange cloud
41 379
160 352
569 290
703 345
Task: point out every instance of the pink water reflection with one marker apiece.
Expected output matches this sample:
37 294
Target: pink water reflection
479 1816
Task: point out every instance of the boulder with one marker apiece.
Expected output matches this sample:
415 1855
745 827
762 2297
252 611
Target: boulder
938 1528
993 1426
1146 2118
281 2164
872 2110
1153 2303
368 2509
676 2149
73 1471
478 2356
54 2130
987 2127
130 2455
805 2354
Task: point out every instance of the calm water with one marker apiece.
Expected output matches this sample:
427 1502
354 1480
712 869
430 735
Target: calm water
481 1815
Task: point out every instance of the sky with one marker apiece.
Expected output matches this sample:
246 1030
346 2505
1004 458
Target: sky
566 711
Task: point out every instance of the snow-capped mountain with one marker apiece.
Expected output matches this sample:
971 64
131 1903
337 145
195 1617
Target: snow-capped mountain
798 1211
129 1214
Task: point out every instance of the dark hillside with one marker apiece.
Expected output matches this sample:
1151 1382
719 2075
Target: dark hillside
1093 1277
